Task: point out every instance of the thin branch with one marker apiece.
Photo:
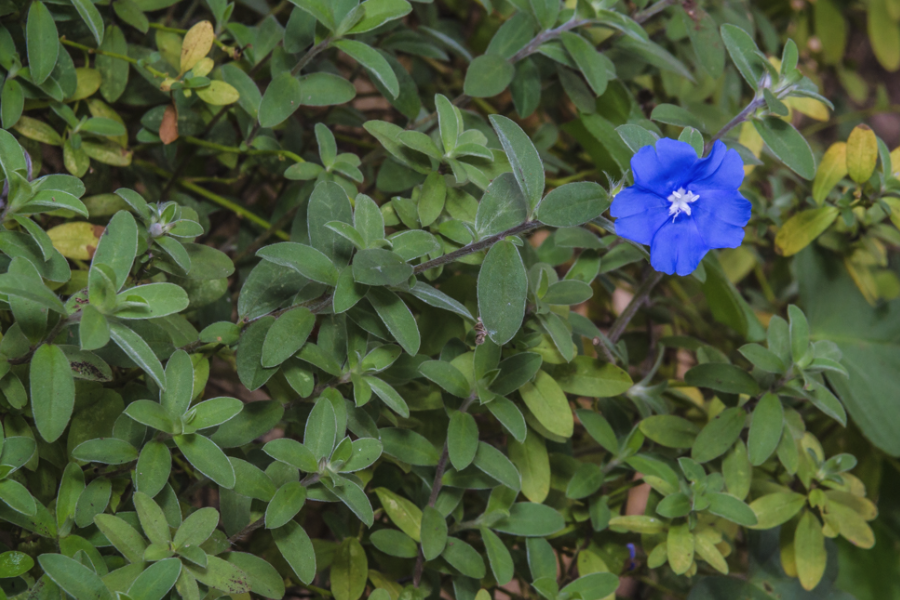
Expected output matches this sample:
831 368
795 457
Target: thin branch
436 490
477 246
640 297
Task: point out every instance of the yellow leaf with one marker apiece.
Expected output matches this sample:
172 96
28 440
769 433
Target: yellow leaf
38 131
197 43
801 229
812 108
894 203
680 548
638 524
76 240
99 108
809 550
202 68
851 525
751 140
862 153
218 93
705 546
831 170
405 515
107 152
88 83
531 459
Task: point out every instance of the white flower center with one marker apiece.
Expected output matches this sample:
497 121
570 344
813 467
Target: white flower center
681 201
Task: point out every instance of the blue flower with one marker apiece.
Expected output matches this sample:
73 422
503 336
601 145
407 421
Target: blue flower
681 205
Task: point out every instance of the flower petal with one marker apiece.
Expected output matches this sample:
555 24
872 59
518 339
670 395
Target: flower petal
720 205
641 227
723 169
634 200
665 168
677 247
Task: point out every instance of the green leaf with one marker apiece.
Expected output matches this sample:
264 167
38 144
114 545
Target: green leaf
349 571
799 331
676 115
530 520
110 451
306 260
394 543
211 413
502 206
883 35
765 429
776 509
378 12
280 101
599 429
868 339
722 378
17 497
373 62
496 465
73 577
803 227
586 376
13 564
322 89
321 430
156 580
329 202
573 204
524 159
249 356
91 17
548 403
670 431
93 328
718 435
380 267
744 53
397 318
499 557
433 533
705 40
286 336
221 575
297 550
464 558
41 38
409 447
207 458
587 479
502 289
153 468
589 61
196 528
161 299
285 504
487 76
446 376
462 438
293 453
152 518
51 381
729 507
762 359
176 398
438 299
118 246
788 145
122 535
593 586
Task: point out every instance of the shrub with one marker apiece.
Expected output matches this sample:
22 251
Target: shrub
327 299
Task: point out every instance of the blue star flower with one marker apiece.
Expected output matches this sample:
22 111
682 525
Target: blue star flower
681 205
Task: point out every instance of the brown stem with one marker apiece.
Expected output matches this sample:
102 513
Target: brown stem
640 297
477 246
436 490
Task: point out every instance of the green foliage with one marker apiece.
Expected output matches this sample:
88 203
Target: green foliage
321 299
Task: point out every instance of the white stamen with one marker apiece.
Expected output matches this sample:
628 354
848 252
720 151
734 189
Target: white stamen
681 201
